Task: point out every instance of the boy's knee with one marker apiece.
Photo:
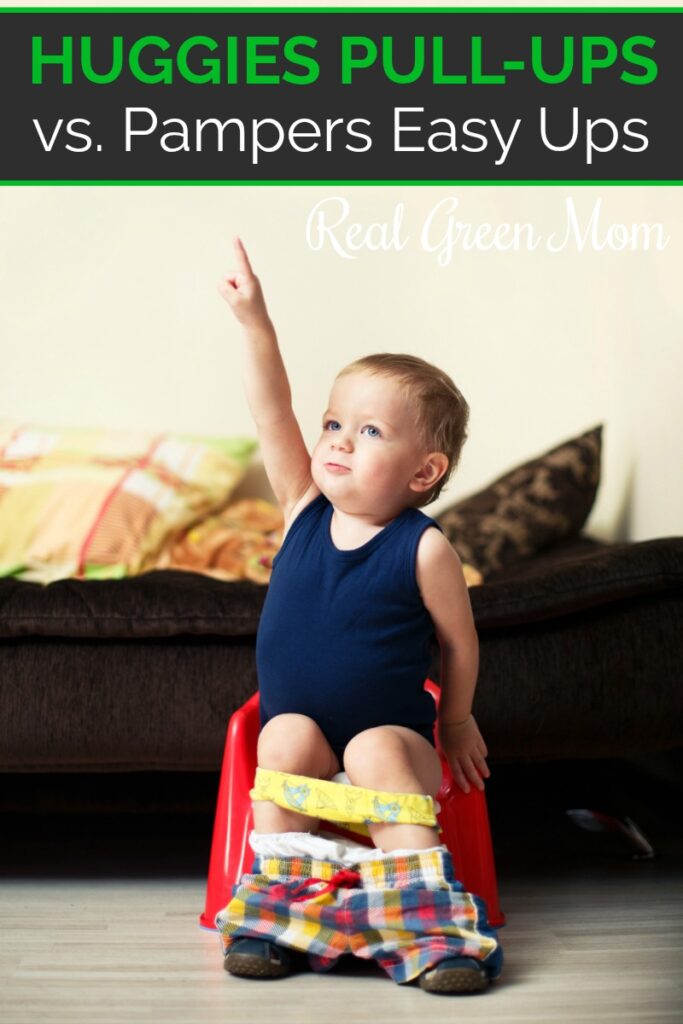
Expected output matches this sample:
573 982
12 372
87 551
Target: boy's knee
393 758
371 755
293 743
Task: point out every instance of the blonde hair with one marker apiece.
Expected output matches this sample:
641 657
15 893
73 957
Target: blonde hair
441 412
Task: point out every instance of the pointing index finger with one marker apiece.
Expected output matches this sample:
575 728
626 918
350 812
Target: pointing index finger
243 263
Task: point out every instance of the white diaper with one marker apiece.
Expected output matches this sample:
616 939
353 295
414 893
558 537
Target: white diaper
320 847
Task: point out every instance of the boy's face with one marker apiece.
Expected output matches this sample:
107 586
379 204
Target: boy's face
368 451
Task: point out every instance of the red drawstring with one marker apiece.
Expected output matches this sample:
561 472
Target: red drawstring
343 879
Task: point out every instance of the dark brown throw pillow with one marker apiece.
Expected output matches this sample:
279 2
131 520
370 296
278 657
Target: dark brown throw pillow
529 508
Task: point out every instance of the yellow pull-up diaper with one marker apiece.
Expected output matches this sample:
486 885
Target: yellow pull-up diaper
342 804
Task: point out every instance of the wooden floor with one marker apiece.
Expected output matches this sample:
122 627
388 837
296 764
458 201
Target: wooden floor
98 920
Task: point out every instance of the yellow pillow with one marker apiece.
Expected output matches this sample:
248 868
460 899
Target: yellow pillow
100 504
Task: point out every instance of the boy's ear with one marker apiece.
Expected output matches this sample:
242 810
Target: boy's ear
431 471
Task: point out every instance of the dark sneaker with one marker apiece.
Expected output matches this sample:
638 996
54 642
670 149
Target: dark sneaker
258 958
457 975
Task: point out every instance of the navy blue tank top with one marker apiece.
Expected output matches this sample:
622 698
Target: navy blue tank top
344 636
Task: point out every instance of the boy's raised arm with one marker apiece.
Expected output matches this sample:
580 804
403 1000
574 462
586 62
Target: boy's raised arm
285 457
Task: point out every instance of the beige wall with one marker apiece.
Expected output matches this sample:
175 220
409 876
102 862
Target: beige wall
110 316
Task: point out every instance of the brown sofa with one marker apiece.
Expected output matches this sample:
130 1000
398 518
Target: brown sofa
581 653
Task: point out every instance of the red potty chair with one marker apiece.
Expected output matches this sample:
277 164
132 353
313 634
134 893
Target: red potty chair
463 819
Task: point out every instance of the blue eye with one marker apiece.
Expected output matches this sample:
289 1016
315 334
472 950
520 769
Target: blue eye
372 431
332 425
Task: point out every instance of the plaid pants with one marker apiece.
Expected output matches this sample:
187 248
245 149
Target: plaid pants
407 912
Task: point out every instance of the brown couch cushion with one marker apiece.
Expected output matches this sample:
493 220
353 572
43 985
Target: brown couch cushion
578 579
171 603
534 505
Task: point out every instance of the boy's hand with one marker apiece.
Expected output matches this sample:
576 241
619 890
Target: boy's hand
465 751
242 291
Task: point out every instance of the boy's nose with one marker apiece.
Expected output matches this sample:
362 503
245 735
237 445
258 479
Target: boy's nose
342 443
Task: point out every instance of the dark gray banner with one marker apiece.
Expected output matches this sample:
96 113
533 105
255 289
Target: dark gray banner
313 96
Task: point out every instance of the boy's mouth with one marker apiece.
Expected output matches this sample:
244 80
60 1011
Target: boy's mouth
335 467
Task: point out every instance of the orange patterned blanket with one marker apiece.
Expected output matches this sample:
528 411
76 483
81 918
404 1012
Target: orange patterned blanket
238 543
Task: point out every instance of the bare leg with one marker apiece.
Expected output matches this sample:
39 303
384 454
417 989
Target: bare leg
292 743
395 759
